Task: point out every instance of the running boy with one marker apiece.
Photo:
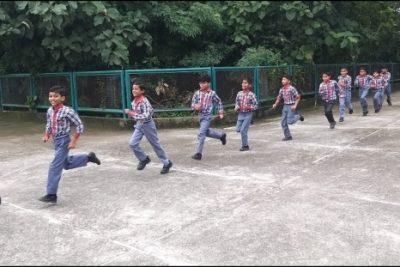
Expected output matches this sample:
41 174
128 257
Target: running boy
378 85
142 113
246 103
328 90
58 126
344 81
363 82
291 99
202 102
386 75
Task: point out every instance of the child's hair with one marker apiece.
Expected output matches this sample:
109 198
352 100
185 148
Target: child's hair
377 71
248 79
287 76
385 68
140 85
58 89
363 68
327 73
205 78
344 68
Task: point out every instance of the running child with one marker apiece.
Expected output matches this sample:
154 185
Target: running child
291 99
344 82
58 126
246 103
142 113
202 102
378 85
328 90
363 82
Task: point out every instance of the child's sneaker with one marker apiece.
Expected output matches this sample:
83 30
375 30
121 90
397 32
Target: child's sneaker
244 148
223 139
301 118
51 198
142 164
350 111
92 158
287 138
341 119
166 168
197 156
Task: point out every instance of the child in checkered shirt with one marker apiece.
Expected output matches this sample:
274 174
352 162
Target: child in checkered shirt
328 90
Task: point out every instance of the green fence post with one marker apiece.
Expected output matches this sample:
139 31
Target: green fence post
316 82
74 94
256 82
123 93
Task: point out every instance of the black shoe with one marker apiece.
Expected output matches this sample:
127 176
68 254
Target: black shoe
244 148
377 110
333 125
143 164
166 168
365 113
49 198
350 111
92 158
287 138
389 102
341 120
197 156
301 118
223 138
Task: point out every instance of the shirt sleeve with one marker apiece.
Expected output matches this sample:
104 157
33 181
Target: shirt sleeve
280 94
195 99
254 105
337 89
74 119
356 82
218 101
47 131
237 101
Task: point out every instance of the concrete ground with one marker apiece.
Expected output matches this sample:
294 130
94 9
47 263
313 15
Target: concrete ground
329 197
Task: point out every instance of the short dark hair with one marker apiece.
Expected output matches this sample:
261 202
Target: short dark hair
363 68
385 67
248 79
140 85
58 89
377 71
205 78
327 73
344 68
287 76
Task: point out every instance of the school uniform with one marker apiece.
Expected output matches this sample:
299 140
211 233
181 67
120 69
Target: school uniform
289 95
58 126
246 103
344 83
378 86
388 89
206 99
328 91
142 112
363 83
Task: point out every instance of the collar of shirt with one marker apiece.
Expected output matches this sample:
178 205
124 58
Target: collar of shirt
138 99
205 90
58 107
287 86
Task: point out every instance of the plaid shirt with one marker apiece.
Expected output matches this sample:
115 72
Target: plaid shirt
328 90
344 83
289 94
59 121
141 109
386 76
246 101
378 84
206 99
363 82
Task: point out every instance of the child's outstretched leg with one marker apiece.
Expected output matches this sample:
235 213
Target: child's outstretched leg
150 131
134 143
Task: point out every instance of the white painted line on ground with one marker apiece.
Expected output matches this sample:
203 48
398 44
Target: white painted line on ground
49 218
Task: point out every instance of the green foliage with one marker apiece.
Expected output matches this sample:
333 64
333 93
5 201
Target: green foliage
260 56
38 36
31 102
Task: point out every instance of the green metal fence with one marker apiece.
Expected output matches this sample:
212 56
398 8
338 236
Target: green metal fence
108 93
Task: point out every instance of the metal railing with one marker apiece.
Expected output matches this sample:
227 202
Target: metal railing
108 93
